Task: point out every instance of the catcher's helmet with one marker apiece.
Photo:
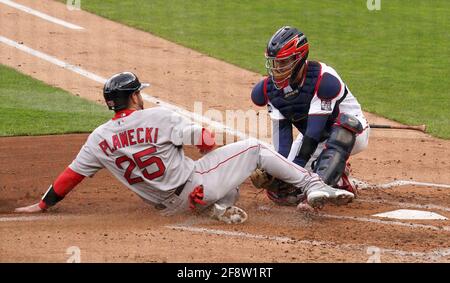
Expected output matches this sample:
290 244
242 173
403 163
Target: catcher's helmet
286 53
118 88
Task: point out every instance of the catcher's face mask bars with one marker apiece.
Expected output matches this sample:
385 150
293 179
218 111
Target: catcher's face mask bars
280 69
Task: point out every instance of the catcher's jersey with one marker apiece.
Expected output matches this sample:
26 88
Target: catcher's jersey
143 150
318 106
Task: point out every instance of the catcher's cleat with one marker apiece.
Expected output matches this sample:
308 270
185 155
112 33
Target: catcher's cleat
345 183
318 197
229 215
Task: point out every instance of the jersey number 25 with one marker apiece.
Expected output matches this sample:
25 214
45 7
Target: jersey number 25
140 161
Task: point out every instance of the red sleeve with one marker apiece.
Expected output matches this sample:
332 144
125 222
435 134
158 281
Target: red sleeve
65 182
207 141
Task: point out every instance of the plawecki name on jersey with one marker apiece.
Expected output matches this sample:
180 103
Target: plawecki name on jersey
143 150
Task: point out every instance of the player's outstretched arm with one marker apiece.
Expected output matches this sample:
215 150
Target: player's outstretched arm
184 132
65 182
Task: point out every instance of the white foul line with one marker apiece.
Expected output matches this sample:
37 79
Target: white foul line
52 59
194 116
33 218
434 254
230 233
40 15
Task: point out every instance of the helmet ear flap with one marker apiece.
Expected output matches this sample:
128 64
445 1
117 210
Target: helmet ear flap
117 100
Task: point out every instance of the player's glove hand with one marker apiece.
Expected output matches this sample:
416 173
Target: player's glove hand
196 197
30 209
207 142
205 151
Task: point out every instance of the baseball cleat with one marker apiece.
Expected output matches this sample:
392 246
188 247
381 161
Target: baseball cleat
345 183
229 215
317 198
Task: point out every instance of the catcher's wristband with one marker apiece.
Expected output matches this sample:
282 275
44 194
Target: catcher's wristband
51 197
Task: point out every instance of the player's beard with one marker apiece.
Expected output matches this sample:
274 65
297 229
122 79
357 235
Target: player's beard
141 103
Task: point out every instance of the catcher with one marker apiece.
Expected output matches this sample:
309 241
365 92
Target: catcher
311 97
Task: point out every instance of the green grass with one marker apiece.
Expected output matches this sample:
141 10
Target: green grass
30 107
396 60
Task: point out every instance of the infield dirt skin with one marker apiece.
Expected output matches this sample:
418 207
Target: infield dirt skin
110 224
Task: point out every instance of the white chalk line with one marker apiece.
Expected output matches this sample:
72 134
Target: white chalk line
33 218
230 233
433 255
194 116
52 60
41 15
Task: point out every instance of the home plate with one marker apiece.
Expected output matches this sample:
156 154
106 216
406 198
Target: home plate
408 214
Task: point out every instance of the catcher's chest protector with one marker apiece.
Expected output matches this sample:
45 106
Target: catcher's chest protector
294 104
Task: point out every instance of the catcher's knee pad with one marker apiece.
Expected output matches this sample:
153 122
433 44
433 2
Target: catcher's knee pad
331 162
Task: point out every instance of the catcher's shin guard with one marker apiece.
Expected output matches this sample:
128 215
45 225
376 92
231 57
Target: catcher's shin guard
331 162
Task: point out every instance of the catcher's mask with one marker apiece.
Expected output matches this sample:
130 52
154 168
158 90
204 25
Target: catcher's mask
119 87
286 53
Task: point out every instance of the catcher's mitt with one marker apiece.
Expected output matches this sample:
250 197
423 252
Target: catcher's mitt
278 191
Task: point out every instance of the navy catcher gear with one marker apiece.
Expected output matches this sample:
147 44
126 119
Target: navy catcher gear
286 53
331 162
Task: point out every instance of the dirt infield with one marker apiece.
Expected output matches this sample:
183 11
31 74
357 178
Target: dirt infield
109 223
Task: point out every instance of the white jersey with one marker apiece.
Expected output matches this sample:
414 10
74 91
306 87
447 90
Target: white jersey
143 150
349 105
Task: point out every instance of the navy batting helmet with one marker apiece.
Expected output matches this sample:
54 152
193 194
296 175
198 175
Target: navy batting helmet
286 52
119 87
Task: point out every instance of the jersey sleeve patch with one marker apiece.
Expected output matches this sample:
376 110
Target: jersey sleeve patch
259 93
330 87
